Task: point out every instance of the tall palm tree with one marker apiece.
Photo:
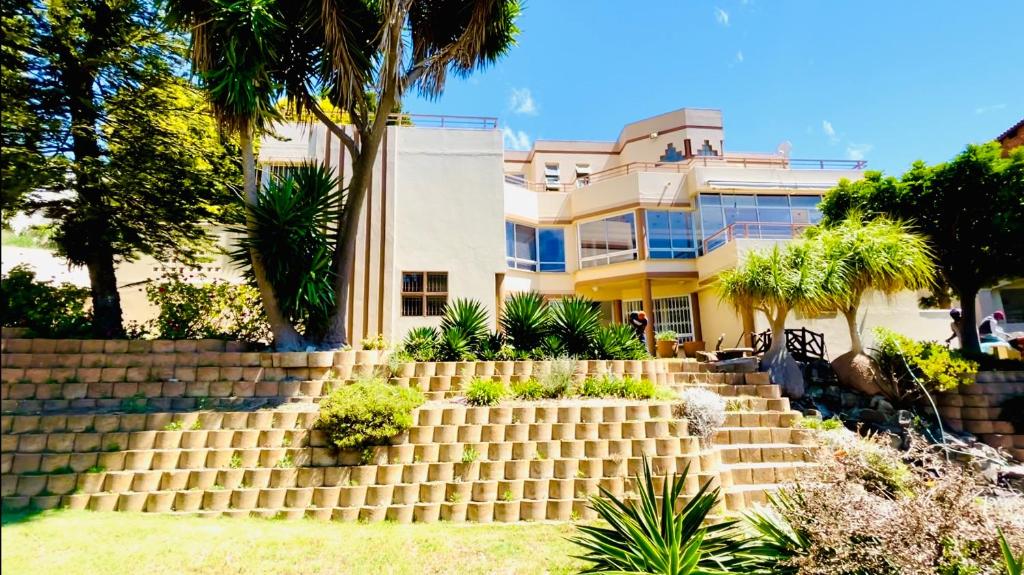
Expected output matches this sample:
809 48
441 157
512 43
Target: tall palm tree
377 52
233 53
364 56
882 255
776 282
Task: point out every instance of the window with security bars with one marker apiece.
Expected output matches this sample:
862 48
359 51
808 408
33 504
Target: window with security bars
274 172
670 314
424 293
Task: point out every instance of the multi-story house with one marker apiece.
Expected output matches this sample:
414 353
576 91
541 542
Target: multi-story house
645 221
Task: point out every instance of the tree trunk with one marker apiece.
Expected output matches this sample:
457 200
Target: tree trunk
969 340
779 363
856 345
106 301
286 338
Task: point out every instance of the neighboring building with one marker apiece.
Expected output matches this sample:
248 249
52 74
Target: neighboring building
1012 137
643 222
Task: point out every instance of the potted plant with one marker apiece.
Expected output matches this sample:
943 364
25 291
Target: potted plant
666 343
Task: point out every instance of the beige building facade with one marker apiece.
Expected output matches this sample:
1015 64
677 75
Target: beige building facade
645 221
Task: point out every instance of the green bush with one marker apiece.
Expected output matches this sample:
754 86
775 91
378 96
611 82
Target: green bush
575 320
485 391
529 390
666 336
626 387
368 412
617 341
468 316
526 320
455 345
376 342
903 360
217 310
422 343
46 310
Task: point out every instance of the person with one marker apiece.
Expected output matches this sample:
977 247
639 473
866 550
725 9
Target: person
956 326
638 320
989 328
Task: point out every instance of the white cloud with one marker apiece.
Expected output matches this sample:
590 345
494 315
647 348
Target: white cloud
858 151
826 127
722 16
515 139
739 56
521 102
990 108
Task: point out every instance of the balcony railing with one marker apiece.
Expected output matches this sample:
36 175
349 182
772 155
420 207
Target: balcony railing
753 231
443 121
685 166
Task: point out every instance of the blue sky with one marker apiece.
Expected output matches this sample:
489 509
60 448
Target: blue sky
889 82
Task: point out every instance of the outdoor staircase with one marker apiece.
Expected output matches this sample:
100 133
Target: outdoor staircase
209 428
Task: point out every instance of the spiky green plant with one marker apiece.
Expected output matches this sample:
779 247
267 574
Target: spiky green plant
526 320
649 536
492 347
551 347
1014 565
575 321
469 316
778 541
618 341
422 343
290 226
455 346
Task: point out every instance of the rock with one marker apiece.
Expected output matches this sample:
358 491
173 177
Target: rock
859 372
785 372
812 413
737 365
883 406
868 415
849 399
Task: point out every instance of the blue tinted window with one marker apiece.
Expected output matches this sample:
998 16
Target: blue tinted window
552 249
670 235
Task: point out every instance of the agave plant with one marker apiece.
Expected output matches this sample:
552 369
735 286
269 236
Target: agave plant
467 315
778 540
455 345
422 343
575 320
526 320
649 536
293 221
1014 565
490 348
618 341
551 347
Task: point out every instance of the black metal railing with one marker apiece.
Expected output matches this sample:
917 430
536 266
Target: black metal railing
803 344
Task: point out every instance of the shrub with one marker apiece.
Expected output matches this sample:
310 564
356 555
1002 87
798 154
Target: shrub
367 412
833 524
558 382
666 336
455 345
650 536
526 320
703 410
376 342
905 362
469 316
495 347
46 310
575 320
422 343
217 309
612 386
618 341
485 391
867 460
529 390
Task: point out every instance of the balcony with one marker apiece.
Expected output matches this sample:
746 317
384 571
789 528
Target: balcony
753 231
774 162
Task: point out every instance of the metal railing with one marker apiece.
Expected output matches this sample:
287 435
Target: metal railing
443 121
753 231
685 166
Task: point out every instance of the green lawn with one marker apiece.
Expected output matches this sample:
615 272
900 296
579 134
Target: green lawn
73 542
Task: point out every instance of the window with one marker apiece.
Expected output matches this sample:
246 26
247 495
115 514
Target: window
670 314
1013 304
582 175
424 293
608 241
275 172
552 176
523 244
670 235
758 216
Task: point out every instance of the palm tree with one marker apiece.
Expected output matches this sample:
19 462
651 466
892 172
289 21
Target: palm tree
233 54
377 52
882 255
363 56
775 282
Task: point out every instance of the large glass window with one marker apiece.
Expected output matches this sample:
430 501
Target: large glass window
670 235
523 245
608 241
754 216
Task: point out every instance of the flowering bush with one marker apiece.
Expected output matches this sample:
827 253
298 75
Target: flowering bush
217 309
902 360
46 310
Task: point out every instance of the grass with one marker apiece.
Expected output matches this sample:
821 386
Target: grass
74 542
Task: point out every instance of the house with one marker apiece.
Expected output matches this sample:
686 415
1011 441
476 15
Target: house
644 221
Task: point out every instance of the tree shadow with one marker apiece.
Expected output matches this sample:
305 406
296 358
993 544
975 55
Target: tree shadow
25 516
